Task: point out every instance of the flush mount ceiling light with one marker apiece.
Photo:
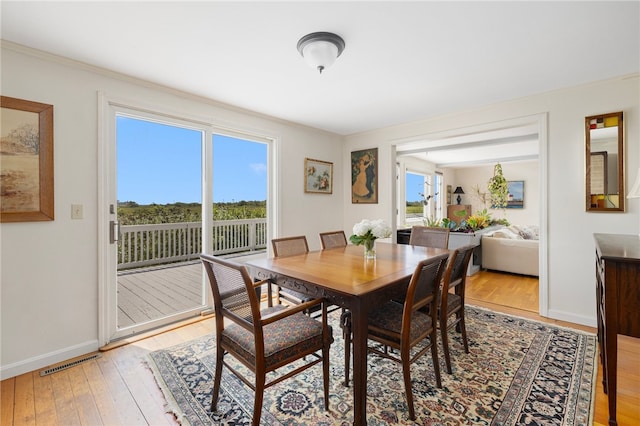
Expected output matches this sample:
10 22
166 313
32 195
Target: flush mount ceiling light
320 50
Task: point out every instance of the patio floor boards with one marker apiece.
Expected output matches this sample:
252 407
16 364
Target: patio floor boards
152 293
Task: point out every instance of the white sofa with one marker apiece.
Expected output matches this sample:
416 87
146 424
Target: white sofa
512 249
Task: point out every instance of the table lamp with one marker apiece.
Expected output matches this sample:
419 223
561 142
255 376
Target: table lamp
459 191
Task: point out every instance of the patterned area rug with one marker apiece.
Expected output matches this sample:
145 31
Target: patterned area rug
518 372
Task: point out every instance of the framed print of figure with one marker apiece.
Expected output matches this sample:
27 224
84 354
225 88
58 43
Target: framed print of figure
364 176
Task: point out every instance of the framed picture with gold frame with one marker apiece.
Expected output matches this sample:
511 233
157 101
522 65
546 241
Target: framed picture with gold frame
26 160
318 176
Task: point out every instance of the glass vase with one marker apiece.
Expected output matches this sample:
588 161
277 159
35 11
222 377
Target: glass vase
370 249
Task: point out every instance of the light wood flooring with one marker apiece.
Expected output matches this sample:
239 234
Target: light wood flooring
117 388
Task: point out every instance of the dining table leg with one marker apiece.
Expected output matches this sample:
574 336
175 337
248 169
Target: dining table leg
359 322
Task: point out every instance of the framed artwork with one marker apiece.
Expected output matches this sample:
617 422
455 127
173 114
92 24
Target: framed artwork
448 194
516 194
318 176
364 176
26 160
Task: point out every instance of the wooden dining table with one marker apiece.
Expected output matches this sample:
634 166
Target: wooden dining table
345 278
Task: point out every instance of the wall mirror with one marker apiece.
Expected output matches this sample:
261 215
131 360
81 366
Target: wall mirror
604 163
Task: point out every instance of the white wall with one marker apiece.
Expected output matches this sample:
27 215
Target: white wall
49 270
470 177
570 255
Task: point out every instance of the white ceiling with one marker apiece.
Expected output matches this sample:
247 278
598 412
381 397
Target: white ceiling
403 61
510 144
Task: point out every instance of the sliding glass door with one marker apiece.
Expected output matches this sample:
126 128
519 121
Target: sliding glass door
158 211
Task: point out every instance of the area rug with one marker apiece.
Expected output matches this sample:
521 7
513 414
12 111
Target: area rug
518 372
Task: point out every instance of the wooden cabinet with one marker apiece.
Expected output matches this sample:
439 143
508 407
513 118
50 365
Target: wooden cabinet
453 208
617 302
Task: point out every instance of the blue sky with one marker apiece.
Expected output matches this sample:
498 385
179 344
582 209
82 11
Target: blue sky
161 164
414 185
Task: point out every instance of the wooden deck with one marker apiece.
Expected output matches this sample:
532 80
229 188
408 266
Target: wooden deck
150 293
147 294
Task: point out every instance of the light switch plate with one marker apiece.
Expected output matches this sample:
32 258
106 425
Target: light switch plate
76 211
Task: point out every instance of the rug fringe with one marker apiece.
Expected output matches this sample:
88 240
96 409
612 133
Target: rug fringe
170 404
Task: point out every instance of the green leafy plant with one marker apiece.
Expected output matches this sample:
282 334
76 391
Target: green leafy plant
498 188
480 220
431 222
447 223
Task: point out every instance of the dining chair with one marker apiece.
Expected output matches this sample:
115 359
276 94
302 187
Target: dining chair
289 246
403 326
451 302
333 239
262 341
428 236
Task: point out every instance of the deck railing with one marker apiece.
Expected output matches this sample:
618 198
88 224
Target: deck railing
144 245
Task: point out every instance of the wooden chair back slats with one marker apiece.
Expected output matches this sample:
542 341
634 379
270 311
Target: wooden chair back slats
289 246
333 239
231 296
426 236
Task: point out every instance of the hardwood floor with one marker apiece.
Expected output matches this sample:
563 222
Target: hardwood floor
118 389
514 291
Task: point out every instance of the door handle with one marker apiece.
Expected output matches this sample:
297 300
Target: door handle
114 231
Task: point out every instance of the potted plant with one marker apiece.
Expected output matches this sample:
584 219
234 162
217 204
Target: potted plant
498 188
480 220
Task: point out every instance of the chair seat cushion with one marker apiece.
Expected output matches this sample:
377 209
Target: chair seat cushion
285 339
389 318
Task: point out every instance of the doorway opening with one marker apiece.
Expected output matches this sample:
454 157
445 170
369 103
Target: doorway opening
457 152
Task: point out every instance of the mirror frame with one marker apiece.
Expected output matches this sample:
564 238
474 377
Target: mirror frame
588 153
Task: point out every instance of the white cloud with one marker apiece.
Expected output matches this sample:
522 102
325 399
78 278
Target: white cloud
258 168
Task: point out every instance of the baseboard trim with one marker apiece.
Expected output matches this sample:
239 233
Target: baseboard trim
46 360
570 317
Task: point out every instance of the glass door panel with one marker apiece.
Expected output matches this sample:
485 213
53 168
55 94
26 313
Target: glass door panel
159 211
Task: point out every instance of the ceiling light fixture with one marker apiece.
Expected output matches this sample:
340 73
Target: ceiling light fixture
321 50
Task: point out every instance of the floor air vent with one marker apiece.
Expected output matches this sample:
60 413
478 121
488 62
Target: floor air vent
68 364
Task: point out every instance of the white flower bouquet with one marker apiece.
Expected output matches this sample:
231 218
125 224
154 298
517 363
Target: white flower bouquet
369 230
